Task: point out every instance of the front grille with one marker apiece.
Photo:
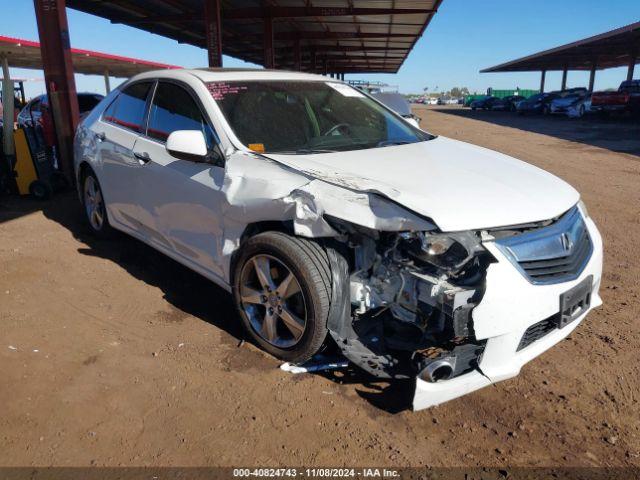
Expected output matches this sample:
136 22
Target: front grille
561 267
556 253
536 331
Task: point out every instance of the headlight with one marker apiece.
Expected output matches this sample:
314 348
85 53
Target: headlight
583 209
445 251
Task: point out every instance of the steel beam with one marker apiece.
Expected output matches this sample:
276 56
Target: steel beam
269 53
298 12
592 75
632 66
55 48
297 56
213 30
107 82
324 35
7 113
564 79
543 77
278 12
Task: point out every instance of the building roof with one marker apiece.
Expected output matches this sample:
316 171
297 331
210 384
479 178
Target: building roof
352 35
611 49
26 54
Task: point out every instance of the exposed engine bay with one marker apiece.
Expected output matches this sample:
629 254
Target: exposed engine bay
411 296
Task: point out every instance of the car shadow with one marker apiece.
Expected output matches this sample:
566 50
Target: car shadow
193 294
616 133
391 396
183 288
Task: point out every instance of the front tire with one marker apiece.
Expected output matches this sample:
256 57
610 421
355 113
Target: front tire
282 289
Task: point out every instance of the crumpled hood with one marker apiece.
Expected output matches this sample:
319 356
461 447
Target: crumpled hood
458 185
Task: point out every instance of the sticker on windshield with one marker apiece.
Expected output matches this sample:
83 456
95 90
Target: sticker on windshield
219 90
345 90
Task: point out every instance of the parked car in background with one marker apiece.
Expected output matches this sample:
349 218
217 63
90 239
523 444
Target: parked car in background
31 113
507 104
580 108
399 104
433 101
335 223
626 99
538 103
562 104
483 103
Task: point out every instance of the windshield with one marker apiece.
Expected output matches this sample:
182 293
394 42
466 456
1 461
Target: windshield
308 117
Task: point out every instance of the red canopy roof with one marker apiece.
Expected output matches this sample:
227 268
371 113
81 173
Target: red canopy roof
26 54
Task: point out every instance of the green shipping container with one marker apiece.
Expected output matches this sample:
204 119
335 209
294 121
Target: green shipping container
508 93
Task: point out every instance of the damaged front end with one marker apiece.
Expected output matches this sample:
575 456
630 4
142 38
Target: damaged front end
410 298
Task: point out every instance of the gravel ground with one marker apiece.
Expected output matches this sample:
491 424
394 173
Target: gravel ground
113 355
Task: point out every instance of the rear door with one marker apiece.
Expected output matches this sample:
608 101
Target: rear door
116 134
181 199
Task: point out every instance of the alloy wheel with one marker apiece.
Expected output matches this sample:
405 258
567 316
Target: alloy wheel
93 203
273 301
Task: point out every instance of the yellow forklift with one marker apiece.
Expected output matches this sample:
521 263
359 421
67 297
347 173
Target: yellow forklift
33 170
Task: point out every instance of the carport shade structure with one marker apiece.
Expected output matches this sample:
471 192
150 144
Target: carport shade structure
617 48
323 36
22 53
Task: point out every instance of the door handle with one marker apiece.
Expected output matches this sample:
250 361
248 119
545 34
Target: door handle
101 137
143 157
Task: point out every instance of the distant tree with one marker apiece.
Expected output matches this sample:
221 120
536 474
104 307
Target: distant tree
459 92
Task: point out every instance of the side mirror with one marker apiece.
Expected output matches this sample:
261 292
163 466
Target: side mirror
187 145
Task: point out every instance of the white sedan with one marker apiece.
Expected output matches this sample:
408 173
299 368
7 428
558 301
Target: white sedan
336 223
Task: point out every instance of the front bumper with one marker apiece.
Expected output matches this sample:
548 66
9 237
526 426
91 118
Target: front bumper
510 305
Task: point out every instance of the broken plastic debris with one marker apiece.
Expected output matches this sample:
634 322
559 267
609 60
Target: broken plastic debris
313 366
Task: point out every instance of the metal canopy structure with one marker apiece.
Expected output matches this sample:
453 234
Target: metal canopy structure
617 48
338 36
22 53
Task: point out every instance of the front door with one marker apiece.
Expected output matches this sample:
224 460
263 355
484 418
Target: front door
180 200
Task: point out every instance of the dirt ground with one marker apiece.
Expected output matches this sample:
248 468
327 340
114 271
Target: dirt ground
111 354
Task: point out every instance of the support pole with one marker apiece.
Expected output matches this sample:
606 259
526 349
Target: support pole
314 61
297 56
542 80
213 28
269 54
55 49
8 107
107 82
592 76
564 79
632 66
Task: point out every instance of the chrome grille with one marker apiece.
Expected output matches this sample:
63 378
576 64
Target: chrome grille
553 254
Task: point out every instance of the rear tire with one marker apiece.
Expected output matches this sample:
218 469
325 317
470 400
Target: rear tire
287 319
93 206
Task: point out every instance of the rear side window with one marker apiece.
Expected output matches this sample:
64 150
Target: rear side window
86 103
128 109
173 108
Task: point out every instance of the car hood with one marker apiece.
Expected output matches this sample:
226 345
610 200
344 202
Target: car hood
457 185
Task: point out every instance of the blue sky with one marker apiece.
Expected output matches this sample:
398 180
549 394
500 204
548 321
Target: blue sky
464 37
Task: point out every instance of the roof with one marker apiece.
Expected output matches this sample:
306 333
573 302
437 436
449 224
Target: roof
611 49
352 35
26 54
207 75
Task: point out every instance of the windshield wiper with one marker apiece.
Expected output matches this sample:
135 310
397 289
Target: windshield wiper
303 151
390 143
